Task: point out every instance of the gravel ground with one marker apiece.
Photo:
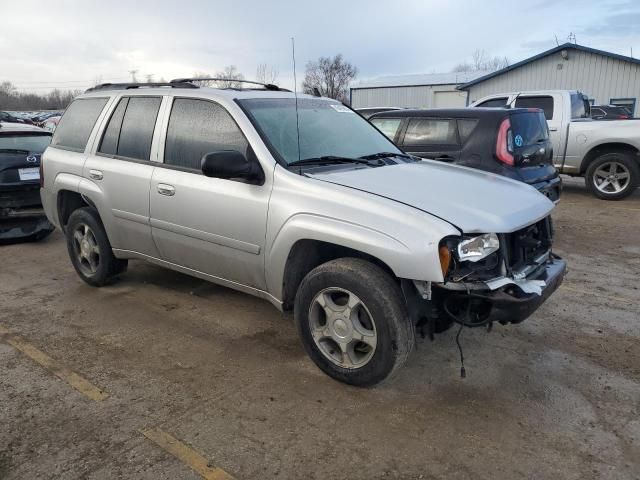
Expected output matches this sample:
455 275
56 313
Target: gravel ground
555 397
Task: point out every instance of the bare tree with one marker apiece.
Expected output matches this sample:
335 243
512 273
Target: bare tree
133 73
149 77
12 99
230 73
481 61
266 73
331 76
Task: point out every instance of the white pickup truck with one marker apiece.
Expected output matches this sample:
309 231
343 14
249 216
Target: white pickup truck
605 153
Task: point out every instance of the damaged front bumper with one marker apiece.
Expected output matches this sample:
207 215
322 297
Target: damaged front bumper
509 299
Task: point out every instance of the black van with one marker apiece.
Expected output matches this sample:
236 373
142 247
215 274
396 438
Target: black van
511 142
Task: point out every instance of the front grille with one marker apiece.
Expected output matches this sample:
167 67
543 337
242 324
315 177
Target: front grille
529 243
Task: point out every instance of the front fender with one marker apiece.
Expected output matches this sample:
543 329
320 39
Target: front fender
419 261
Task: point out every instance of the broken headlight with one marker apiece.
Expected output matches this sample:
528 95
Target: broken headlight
477 248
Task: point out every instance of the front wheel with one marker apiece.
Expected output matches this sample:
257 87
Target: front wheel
613 176
353 322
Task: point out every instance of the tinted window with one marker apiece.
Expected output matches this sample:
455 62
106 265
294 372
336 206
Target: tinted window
543 102
77 122
109 142
138 123
528 128
388 126
465 127
628 103
427 131
30 143
197 127
494 103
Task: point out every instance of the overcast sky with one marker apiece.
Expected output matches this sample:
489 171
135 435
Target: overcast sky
68 44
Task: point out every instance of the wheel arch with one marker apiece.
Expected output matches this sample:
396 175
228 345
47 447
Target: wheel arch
604 148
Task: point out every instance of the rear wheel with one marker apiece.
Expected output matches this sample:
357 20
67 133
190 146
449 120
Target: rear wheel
353 322
90 250
613 176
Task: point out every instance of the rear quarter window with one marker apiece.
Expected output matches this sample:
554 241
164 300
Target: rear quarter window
388 126
431 131
77 122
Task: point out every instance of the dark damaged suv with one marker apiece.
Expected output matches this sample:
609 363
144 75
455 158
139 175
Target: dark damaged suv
510 142
21 214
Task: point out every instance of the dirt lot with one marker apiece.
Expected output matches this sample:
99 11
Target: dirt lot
223 374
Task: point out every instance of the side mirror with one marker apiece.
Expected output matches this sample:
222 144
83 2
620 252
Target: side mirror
230 164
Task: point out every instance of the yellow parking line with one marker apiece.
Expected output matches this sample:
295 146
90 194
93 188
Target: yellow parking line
185 454
76 381
595 294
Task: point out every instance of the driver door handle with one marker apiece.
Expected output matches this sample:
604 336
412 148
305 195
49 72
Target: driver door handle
168 190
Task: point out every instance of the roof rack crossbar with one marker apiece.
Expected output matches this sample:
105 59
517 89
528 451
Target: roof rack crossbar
267 86
128 86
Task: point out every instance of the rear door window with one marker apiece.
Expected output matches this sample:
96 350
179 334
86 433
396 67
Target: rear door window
543 102
528 128
77 122
494 103
109 144
431 131
136 132
388 126
197 127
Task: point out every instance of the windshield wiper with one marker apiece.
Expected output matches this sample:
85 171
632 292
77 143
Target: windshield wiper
13 150
375 156
330 159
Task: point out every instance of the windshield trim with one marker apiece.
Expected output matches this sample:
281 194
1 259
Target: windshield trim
274 151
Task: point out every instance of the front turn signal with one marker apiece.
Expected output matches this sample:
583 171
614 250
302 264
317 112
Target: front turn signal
445 259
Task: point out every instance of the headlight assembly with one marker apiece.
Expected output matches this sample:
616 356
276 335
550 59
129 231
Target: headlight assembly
477 248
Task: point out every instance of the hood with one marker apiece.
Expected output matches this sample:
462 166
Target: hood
472 200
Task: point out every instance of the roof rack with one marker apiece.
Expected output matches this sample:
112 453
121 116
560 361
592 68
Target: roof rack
267 86
128 86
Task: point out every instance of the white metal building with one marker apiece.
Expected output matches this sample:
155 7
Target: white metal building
607 78
414 91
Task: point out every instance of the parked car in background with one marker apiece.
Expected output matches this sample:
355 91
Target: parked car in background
510 142
368 111
610 112
51 123
42 117
21 213
605 153
8 117
298 200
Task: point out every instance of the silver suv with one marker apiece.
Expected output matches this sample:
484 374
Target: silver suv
302 202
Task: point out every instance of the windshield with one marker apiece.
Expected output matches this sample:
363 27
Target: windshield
29 143
327 128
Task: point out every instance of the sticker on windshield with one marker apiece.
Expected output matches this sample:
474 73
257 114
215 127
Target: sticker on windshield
340 108
518 140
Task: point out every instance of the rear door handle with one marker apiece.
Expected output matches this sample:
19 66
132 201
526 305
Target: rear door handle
95 174
553 129
168 190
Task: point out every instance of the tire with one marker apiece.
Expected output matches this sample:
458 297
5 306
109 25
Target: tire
378 317
89 248
613 176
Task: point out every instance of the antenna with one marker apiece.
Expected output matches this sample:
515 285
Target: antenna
557 42
295 90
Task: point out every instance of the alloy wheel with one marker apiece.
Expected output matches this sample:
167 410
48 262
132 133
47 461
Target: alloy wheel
342 328
86 249
611 177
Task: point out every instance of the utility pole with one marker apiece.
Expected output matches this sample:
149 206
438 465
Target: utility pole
133 76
